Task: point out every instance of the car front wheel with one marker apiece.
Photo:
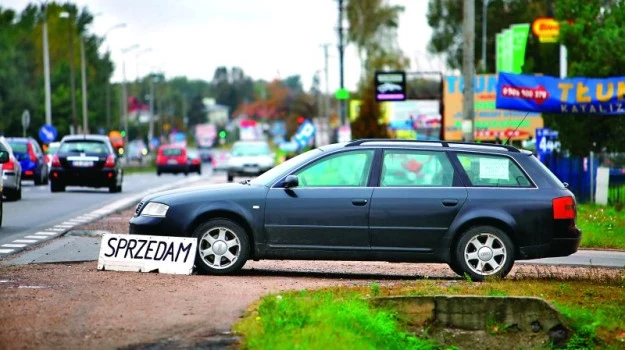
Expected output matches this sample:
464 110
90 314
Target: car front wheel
484 251
223 247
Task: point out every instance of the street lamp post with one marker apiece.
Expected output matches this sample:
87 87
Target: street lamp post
484 24
124 91
108 83
46 67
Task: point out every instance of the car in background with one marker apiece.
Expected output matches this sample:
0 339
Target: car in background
194 162
4 158
11 173
53 147
137 150
172 158
249 158
88 161
32 159
476 207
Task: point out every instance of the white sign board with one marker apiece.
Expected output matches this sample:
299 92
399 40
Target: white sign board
494 169
175 255
603 183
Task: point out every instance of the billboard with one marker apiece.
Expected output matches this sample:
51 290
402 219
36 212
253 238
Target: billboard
489 121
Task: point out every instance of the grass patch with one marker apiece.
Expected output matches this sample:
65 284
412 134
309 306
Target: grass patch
602 227
341 318
324 320
137 169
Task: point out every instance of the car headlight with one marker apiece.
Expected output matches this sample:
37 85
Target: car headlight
155 209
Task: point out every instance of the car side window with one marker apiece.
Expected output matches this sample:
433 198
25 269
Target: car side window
346 169
407 168
493 171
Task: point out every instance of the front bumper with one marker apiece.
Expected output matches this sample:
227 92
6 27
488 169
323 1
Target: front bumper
88 178
151 226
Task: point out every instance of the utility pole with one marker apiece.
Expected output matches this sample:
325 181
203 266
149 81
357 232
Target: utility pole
342 105
72 80
151 126
46 67
484 24
83 65
125 104
468 69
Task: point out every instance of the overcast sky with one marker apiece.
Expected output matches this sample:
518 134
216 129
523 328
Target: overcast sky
267 38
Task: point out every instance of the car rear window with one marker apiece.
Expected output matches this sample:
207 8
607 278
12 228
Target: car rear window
172 151
94 147
493 171
19 147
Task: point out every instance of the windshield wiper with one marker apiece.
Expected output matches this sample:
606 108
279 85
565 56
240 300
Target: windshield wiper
245 182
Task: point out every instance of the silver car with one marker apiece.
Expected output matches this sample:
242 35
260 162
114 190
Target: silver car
11 174
249 158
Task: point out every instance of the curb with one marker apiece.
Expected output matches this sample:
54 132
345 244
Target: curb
33 239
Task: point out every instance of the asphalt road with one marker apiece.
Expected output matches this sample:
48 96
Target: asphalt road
39 208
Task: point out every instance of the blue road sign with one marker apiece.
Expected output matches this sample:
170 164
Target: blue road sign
47 133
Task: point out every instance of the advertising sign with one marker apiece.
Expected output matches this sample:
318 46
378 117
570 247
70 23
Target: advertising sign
546 29
304 134
175 255
555 95
510 48
546 142
490 122
390 86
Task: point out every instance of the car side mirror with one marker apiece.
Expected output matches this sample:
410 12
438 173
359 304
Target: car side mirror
4 157
291 181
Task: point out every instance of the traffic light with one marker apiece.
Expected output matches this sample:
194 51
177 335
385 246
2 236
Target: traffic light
123 133
222 134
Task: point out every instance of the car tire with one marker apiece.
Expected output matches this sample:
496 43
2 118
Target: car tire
56 187
38 179
14 194
224 240
484 251
199 172
45 177
230 177
158 173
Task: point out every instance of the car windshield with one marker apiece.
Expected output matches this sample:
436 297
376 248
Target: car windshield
92 147
250 149
19 147
273 174
172 151
52 149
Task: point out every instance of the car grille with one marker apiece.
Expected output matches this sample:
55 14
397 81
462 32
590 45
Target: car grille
138 209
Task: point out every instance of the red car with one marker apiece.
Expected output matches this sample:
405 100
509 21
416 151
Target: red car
172 159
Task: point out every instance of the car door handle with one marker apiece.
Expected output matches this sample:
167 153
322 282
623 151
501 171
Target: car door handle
359 202
450 202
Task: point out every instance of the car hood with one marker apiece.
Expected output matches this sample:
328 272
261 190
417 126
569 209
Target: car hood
204 193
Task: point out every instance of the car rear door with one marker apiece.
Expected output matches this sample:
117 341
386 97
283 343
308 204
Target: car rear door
328 210
418 197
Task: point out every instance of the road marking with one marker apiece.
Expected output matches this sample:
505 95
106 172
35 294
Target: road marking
6 251
14 245
63 226
66 223
25 241
34 237
47 233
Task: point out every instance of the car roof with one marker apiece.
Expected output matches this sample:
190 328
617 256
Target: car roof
19 139
85 137
453 145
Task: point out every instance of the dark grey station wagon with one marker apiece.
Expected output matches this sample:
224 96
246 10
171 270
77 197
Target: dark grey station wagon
476 207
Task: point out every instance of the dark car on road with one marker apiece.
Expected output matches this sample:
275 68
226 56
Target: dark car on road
476 207
86 160
32 159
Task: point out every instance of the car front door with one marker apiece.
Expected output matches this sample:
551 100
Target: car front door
329 209
417 200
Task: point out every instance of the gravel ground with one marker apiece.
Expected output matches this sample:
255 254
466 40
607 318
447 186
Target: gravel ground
74 306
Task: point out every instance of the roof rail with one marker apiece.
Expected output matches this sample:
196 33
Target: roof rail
443 143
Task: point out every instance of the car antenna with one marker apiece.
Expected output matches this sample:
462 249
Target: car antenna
515 129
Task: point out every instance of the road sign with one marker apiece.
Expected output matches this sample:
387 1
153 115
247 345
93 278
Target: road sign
47 133
26 119
390 86
342 94
546 142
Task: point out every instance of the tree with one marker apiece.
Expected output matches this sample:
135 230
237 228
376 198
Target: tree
197 111
368 124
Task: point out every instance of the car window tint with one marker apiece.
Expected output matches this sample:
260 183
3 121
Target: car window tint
402 168
493 171
94 147
348 169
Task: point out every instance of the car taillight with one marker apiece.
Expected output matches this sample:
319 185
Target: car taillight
10 165
46 158
110 162
196 161
56 161
31 153
564 208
